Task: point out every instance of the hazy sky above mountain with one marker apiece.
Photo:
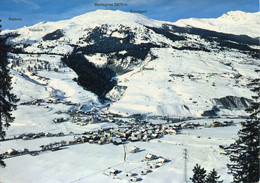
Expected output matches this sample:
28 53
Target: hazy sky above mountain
18 13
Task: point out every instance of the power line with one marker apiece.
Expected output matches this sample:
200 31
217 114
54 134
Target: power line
185 157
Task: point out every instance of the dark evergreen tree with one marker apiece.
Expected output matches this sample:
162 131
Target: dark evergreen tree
2 163
244 153
213 177
199 174
7 99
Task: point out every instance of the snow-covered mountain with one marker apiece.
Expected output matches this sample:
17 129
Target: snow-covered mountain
141 65
234 22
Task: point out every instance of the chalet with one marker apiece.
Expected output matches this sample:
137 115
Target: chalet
149 157
31 135
171 132
36 136
160 164
159 126
63 143
84 139
70 142
24 151
223 153
12 152
188 125
133 139
140 136
59 112
58 120
157 130
116 141
164 127
34 153
82 123
43 147
145 138
154 166
150 132
49 101
26 138
55 148
177 126
128 133
56 101
124 139
142 130
216 124
134 149
154 135
196 124
91 141
61 134
144 172
113 172
107 135
135 179
71 133
228 123
92 120
133 134
161 160
129 174
41 134
95 137
77 139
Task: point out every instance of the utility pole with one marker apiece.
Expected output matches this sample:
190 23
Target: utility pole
185 157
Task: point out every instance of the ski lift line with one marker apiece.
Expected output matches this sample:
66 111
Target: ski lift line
124 149
185 157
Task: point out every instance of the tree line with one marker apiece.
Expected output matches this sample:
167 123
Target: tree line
7 99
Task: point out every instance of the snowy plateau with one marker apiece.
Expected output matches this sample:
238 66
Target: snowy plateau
93 87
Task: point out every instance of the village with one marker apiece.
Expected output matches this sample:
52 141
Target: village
127 129
124 130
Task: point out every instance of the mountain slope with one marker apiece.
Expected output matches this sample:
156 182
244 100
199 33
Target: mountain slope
142 65
235 22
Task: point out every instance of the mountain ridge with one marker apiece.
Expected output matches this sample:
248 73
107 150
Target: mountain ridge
236 22
143 66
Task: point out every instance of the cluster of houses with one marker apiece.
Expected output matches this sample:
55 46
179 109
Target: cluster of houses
12 153
153 162
83 118
58 120
130 132
33 102
126 131
221 124
30 136
49 101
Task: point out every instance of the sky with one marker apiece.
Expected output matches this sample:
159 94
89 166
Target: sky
19 13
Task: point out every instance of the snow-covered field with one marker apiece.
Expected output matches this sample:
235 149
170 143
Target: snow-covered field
92 163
